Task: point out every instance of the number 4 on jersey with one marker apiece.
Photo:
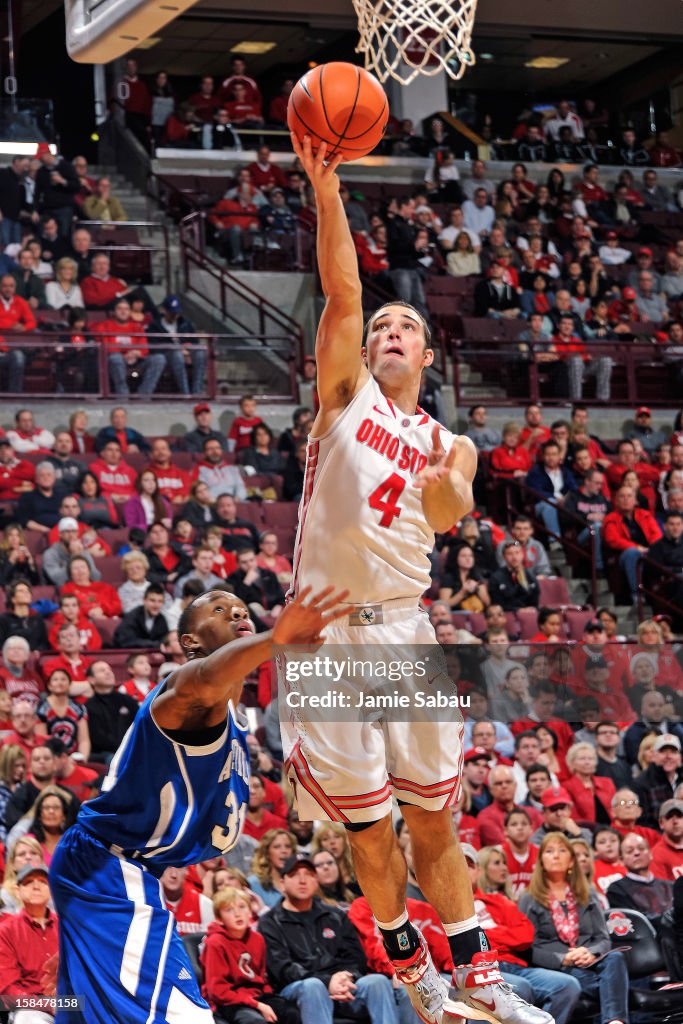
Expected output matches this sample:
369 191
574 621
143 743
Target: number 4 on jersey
385 498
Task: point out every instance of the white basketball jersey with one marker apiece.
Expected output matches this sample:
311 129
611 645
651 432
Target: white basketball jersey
361 523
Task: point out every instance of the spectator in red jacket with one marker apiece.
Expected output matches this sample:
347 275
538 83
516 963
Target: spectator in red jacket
16 475
259 820
15 315
206 101
70 613
233 960
511 459
265 174
127 346
591 794
97 600
233 219
137 104
116 477
27 941
647 475
99 289
174 483
492 819
667 855
629 531
242 111
239 76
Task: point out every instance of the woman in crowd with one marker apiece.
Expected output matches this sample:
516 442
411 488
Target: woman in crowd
555 764
78 428
13 767
493 872
480 540
97 600
163 103
53 814
199 509
261 454
63 717
584 856
462 586
20 619
64 290
611 624
580 300
16 677
147 505
26 850
332 836
15 558
463 261
271 853
134 566
630 479
556 186
332 888
591 794
571 934
268 558
97 509
514 701
651 640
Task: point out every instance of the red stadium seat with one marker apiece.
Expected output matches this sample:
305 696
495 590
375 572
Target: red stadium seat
554 592
252 512
281 513
110 568
106 628
528 623
576 620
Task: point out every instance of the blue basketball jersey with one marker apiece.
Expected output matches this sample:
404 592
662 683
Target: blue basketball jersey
169 804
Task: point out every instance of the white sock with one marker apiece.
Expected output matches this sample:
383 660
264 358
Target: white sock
398 922
461 926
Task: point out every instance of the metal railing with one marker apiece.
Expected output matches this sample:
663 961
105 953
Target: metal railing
244 310
118 248
514 490
502 365
55 367
645 570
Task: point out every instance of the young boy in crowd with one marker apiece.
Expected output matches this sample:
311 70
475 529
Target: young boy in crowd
140 682
234 963
224 562
519 853
240 430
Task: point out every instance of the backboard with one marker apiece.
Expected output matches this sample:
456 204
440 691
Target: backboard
98 31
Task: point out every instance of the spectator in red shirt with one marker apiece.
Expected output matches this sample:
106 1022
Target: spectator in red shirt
239 76
511 459
116 477
27 941
206 102
99 289
629 531
593 195
140 682
662 154
277 112
591 794
239 436
15 315
534 433
174 483
233 219
97 600
242 111
137 104
15 676
28 732
192 910
70 657
127 346
16 475
70 614
519 852
259 820
667 855
626 812
265 174
492 819
74 777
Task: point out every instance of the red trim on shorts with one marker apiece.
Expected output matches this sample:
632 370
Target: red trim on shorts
309 480
300 765
363 799
446 786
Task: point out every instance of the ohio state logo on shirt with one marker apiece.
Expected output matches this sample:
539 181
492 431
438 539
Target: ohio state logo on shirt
244 965
328 933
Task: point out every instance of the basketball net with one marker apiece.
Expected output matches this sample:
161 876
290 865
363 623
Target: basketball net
405 38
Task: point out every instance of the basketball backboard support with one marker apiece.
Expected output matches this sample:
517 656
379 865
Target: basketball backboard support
98 31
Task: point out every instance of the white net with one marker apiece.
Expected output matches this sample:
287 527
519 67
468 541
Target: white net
405 38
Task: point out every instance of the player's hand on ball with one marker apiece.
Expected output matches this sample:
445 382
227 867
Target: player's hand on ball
322 175
439 463
303 620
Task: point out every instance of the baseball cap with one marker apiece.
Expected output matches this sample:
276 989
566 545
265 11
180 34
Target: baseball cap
476 754
42 148
5 440
423 209
612 234
645 252
31 869
667 740
67 523
294 862
670 805
643 410
629 294
201 407
593 626
554 796
469 853
171 303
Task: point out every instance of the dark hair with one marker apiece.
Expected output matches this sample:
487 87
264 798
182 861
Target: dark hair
527 734
63 671
56 746
521 519
624 442
542 686
535 768
157 500
671 514
606 828
298 413
260 426
75 313
517 810
131 657
545 613
136 535
36 827
479 405
547 445
553 734
89 474
12 589
80 558
155 588
193 588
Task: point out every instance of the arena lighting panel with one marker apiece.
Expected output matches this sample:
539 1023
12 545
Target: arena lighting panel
99 31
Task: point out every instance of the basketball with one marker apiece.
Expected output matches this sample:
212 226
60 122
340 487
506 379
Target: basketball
342 105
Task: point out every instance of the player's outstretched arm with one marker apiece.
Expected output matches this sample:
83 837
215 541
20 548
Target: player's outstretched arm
338 342
446 482
199 691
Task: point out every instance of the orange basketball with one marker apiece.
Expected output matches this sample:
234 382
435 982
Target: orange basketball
339 104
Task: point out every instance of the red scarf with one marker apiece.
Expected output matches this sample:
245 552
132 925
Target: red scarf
565 915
